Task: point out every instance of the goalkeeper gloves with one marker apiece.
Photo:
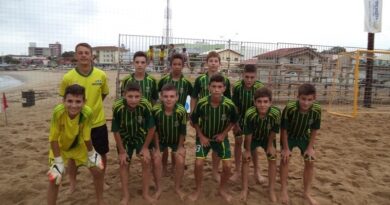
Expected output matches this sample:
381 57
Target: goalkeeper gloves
56 170
95 160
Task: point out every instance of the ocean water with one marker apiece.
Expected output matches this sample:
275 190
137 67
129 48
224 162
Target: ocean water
7 82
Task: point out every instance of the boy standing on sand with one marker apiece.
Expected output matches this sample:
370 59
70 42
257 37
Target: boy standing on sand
213 117
70 139
301 120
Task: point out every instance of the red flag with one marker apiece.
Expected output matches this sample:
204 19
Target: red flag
4 102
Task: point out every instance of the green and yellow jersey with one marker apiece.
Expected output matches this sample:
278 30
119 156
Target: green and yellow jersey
170 127
148 86
132 124
96 85
201 87
183 87
298 124
260 128
243 97
213 120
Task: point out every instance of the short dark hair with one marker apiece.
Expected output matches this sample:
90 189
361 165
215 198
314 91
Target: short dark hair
217 78
263 92
75 89
140 54
177 56
84 45
306 89
213 54
168 87
249 68
133 86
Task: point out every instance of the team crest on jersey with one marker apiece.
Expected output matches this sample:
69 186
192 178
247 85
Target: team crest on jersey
181 90
176 124
223 117
97 82
139 119
147 89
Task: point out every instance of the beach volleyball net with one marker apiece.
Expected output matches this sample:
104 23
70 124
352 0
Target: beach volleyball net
355 89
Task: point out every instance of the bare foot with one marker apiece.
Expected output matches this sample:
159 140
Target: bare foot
227 197
259 179
124 201
235 177
284 197
272 196
309 199
157 194
216 176
194 196
244 195
149 199
181 194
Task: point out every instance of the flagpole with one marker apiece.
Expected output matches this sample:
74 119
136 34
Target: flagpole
4 107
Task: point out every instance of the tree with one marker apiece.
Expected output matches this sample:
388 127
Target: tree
68 54
334 50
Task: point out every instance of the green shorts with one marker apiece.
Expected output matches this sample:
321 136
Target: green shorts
263 144
222 149
302 144
164 146
130 148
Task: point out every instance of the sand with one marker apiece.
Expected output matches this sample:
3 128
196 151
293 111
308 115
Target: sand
353 162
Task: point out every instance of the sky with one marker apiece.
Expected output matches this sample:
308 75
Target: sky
99 22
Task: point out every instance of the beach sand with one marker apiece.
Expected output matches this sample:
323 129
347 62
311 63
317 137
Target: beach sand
352 167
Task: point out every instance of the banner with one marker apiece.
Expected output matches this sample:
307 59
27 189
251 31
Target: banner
373 16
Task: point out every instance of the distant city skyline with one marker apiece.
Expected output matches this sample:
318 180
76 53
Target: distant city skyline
321 22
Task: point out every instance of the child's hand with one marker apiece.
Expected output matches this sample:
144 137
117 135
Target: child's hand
204 141
144 154
56 170
309 154
237 130
95 160
271 151
247 156
123 158
286 153
219 137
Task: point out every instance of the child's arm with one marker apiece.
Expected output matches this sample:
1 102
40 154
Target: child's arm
156 141
204 141
247 146
221 136
310 151
55 147
122 155
285 150
270 147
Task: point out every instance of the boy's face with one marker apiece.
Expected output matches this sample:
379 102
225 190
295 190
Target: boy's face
213 64
139 64
305 102
249 79
132 98
217 89
83 55
262 104
73 104
177 66
169 98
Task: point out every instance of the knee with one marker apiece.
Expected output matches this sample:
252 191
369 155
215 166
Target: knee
199 163
238 142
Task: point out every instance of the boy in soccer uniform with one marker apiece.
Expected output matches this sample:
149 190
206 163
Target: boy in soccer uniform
243 91
301 120
147 82
184 89
70 139
95 83
171 122
201 89
261 123
133 127
213 117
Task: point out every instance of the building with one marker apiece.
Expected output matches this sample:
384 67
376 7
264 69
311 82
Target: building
56 49
107 55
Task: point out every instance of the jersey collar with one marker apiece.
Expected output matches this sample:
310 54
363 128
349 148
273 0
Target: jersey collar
90 72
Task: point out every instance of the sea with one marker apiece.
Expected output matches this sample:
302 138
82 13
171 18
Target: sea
7 82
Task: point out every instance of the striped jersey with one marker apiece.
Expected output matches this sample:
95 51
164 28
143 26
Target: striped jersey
299 124
170 127
213 121
260 128
183 87
201 87
148 86
132 124
243 97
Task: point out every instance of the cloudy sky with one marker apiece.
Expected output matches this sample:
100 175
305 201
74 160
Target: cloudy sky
323 22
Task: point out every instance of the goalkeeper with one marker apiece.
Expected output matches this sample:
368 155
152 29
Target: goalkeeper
70 139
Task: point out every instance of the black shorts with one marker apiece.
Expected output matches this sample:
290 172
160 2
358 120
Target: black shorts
99 136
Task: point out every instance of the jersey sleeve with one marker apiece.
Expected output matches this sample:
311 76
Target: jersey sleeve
196 114
87 124
149 120
233 114
154 90
235 97
115 123
248 128
317 122
196 90
275 126
227 92
105 89
183 124
54 129
284 120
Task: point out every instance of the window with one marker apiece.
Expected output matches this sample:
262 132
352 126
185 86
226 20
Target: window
291 60
236 59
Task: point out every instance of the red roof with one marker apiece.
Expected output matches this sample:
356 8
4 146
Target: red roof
285 52
252 61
